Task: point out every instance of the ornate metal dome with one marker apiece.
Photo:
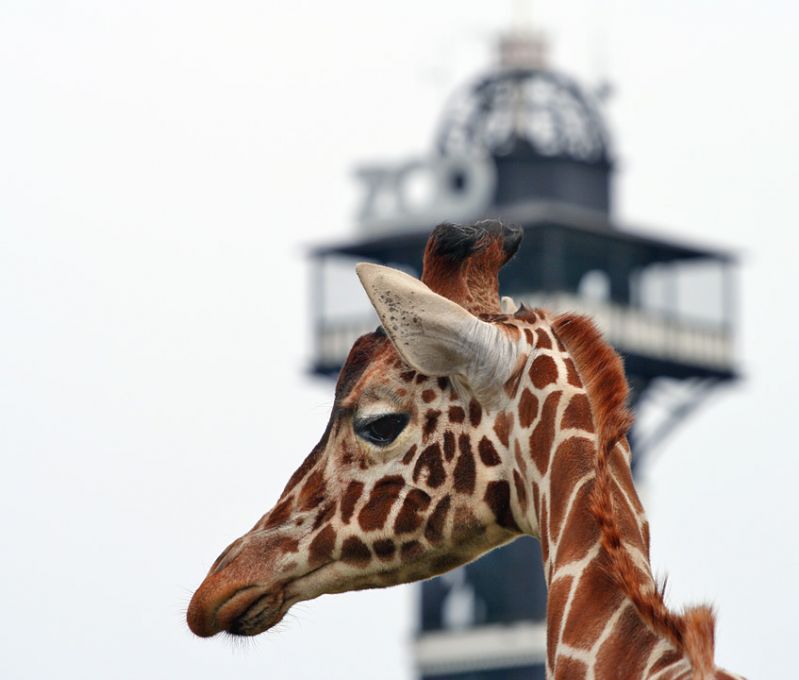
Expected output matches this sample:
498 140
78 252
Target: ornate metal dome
524 110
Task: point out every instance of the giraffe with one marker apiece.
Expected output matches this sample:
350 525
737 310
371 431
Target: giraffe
460 424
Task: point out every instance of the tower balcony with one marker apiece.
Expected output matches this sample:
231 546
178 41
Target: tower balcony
668 307
688 347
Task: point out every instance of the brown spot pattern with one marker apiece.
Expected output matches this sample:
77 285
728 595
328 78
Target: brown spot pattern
544 341
645 535
408 518
545 533
625 520
430 460
528 408
573 460
497 497
615 651
475 413
326 513
579 528
528 335
543 371
570 668
578 414
465 474
288 545
430 422
313 491
556 602
503 424
465 523
544 433
428 396
373 515
384 548
488 454
434 531
348 502
571 373
512 383
596 595
280 513
449 446
456 414
355 551
409 454
411 550
623 476
321 548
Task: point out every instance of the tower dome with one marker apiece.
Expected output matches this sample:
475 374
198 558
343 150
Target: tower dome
544 132
524 111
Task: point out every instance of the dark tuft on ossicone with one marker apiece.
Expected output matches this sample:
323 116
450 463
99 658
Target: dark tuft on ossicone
456 242
462 263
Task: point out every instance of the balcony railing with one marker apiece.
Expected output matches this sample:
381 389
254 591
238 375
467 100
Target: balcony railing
630 329
481 648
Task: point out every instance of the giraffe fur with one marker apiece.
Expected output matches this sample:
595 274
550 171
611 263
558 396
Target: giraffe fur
458 427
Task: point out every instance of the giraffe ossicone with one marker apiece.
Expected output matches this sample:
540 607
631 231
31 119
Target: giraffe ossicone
457 426
508 305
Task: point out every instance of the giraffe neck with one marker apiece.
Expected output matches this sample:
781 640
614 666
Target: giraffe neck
591 624
590 621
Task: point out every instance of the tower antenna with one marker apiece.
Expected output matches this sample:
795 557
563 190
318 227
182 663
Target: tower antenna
522 46
603 89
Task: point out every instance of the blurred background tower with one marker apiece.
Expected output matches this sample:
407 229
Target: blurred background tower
527 144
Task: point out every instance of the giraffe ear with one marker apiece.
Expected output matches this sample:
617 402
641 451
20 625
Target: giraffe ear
437 336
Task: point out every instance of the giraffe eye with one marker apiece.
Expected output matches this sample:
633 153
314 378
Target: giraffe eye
381 430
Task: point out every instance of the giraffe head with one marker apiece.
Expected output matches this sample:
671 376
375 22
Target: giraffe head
412 477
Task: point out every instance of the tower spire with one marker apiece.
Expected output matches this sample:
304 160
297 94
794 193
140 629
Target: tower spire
522 46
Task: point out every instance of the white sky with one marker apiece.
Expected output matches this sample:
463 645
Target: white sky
163 166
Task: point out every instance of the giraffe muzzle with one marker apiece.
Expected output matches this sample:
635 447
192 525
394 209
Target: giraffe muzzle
239 609
246 591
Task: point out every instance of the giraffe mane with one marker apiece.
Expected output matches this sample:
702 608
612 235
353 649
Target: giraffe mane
602 373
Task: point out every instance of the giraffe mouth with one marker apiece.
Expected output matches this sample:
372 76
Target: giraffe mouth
259 615
243 610
254 609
